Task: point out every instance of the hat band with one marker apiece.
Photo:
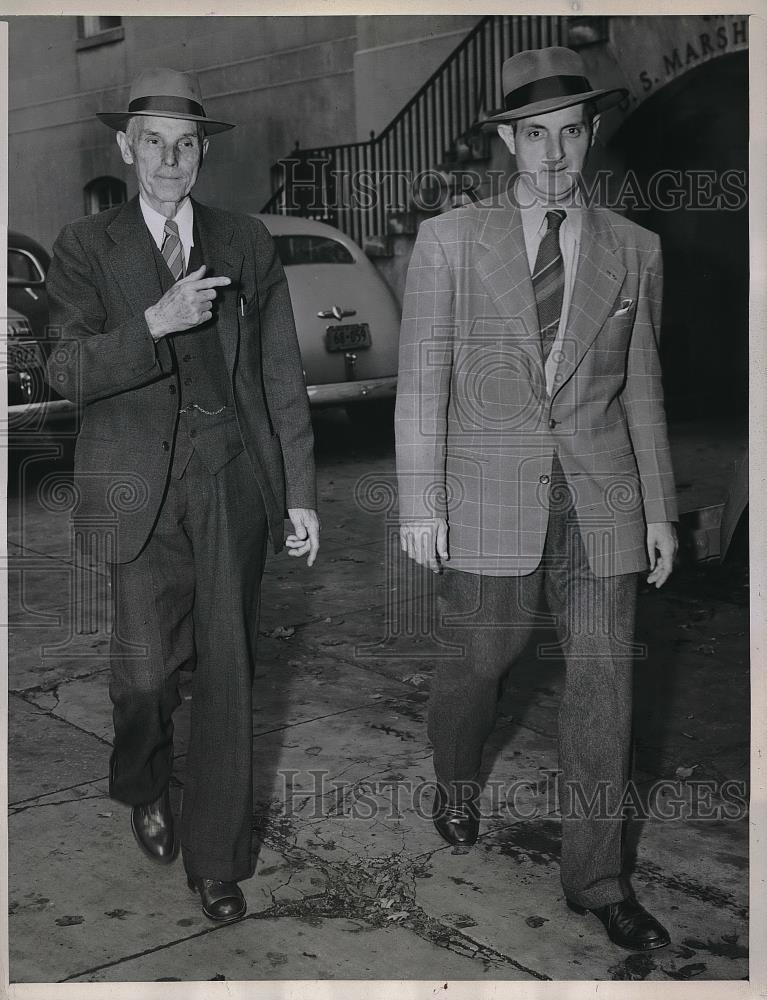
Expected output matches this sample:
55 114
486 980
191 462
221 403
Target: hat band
173 105
542 90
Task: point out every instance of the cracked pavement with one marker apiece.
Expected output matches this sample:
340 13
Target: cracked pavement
351 881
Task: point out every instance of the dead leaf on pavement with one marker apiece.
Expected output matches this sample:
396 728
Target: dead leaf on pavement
282 632
686 772
416 679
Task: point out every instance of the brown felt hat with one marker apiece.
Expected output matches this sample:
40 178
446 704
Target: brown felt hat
166 93
538 81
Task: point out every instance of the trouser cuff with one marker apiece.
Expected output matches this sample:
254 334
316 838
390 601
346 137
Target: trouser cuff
223 869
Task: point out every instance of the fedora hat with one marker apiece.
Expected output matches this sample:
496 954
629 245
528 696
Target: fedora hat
538 81
165 93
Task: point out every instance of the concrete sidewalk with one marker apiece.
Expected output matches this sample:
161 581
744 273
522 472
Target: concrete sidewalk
351 880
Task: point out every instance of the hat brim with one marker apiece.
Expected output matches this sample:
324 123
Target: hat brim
603 99
118 120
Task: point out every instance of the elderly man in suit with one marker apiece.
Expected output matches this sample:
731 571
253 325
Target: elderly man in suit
533 462
178 342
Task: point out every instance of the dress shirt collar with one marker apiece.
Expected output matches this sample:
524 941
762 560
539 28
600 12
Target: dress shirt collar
534 225
533 209
184 219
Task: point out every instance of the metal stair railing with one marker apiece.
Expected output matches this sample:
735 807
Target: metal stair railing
354 185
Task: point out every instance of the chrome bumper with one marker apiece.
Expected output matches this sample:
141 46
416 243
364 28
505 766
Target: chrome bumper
337 393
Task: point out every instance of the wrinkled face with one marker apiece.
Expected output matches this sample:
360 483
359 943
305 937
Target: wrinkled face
551 149
167 154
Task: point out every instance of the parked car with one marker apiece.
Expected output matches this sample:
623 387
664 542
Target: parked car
32 404
27 267
734 525
346 316
24 359
714 533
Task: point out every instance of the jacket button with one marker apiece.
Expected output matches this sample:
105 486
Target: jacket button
543 480
552 423
172 390
193 433
166 446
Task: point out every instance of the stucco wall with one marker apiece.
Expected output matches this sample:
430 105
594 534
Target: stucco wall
395 56
281 79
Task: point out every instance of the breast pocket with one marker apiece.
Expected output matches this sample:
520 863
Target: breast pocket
249 308
620 321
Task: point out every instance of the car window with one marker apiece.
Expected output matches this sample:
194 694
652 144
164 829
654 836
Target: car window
311 250
24 266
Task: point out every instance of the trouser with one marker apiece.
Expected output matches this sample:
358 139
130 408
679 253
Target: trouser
594 621
191 599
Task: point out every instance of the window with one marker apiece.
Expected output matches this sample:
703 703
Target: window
311 250
90 25
103 193
98 30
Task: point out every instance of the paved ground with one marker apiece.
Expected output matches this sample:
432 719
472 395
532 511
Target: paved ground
351 880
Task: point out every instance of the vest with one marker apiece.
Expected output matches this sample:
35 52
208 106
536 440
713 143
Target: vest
207 423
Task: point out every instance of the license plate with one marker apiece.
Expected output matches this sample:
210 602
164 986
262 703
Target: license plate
26 354
349 337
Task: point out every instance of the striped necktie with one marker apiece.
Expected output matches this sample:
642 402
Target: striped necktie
549 280
172 250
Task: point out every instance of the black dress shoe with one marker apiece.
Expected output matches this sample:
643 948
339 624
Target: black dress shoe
628 924
221 901
457 823
152 827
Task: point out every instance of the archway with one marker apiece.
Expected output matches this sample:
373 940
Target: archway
699 123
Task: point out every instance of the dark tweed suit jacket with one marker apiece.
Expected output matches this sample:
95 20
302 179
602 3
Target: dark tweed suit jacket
476 430
101 280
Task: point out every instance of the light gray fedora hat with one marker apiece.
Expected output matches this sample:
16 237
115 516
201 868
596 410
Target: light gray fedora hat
166 93
538 81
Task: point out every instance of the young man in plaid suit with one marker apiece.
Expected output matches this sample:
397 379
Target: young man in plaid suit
533 462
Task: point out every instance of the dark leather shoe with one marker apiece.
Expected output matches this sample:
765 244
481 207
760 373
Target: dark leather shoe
221 901
152 827
628 924
457 823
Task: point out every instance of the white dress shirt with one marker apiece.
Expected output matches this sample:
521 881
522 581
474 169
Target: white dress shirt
534 227
184 219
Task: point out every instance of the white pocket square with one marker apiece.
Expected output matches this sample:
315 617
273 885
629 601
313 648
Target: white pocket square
625 307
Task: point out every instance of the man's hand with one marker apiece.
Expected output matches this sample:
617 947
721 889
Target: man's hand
186 304
661 547
425 541
306 526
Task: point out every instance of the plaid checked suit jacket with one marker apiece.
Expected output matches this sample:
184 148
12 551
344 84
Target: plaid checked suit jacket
476 430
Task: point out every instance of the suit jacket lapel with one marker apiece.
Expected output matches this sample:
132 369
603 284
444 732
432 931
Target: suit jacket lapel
133 266
131 258
223 257
504 269
598 279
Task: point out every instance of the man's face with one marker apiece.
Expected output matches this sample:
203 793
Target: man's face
167 154
551 149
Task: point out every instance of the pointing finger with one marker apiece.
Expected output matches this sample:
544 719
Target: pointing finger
201 283
195 275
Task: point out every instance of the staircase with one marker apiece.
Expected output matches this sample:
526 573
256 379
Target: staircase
421 162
